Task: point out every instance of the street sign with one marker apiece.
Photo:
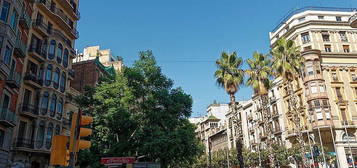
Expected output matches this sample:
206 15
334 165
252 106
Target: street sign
117 160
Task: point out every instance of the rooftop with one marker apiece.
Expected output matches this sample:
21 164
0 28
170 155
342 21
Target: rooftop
310 8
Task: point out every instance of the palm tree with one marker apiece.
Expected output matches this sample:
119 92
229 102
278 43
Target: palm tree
230 76
259 74
286 64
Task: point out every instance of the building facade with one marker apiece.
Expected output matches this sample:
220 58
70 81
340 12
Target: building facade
88 73
36 50
105 57
327 90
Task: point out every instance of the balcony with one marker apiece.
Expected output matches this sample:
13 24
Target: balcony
250 117
66 123
353 21
33 80
4 68
277 130
59 17
14 80
28 110
20 48
347 124
6 30
38 53
58 34
272 99
41 27
25 20
73 11
24 144
7 117
71 73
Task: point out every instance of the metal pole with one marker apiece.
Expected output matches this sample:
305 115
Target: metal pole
349 145
312 154
322 147
334 145
228 158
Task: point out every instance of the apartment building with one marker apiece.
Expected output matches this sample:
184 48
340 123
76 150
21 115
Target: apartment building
105 57
327 90
88 73
36 50
14 28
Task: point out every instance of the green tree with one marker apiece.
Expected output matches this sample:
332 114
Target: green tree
140 114
259 74
230 76
287 62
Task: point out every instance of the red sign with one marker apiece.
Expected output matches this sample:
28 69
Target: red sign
117 160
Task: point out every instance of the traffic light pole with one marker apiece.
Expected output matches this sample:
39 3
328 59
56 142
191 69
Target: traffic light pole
73 155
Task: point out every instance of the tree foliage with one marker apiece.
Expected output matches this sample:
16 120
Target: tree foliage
140 114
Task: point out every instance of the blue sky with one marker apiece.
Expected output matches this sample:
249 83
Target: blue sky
187 36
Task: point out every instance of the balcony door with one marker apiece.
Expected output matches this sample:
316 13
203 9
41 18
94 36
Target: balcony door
22 131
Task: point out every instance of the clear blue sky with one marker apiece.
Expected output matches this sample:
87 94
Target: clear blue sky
187 30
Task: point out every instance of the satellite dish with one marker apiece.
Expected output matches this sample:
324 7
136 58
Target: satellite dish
17 165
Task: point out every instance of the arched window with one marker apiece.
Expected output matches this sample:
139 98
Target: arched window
40 134
57 130
348 137
59 108
49 135
65 58
44 103
56 78
53 105
51 49
48 75
63 82
44 48
59 53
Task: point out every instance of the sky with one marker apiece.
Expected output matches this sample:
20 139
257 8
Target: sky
187 36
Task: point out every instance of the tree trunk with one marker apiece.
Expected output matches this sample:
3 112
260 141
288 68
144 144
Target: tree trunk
239 144
296 120
266 118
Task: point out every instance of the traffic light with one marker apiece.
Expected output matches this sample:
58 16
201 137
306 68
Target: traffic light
76 143
59 151
84 132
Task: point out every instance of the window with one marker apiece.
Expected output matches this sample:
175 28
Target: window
6 102
1 42
56 78
5 11
51 49
343 115
44 103
313 88
327 48
49 28
59 53
325 36
40 134
7 55
60 108
49 135
322 87
334 76
338 18
338 93
48 75
355 91
53 105
65 58
354 77
57 130
346 48
13 20
301 19
320 17
305 37
343 36
27 97
63 82
310 70
2 137
307 48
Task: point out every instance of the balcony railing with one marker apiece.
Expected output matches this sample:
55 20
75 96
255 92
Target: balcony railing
353 20
33 78
61 15
24 143
25 20
40 53
20 47
7 117
14 80
29 110
40 25
71 73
